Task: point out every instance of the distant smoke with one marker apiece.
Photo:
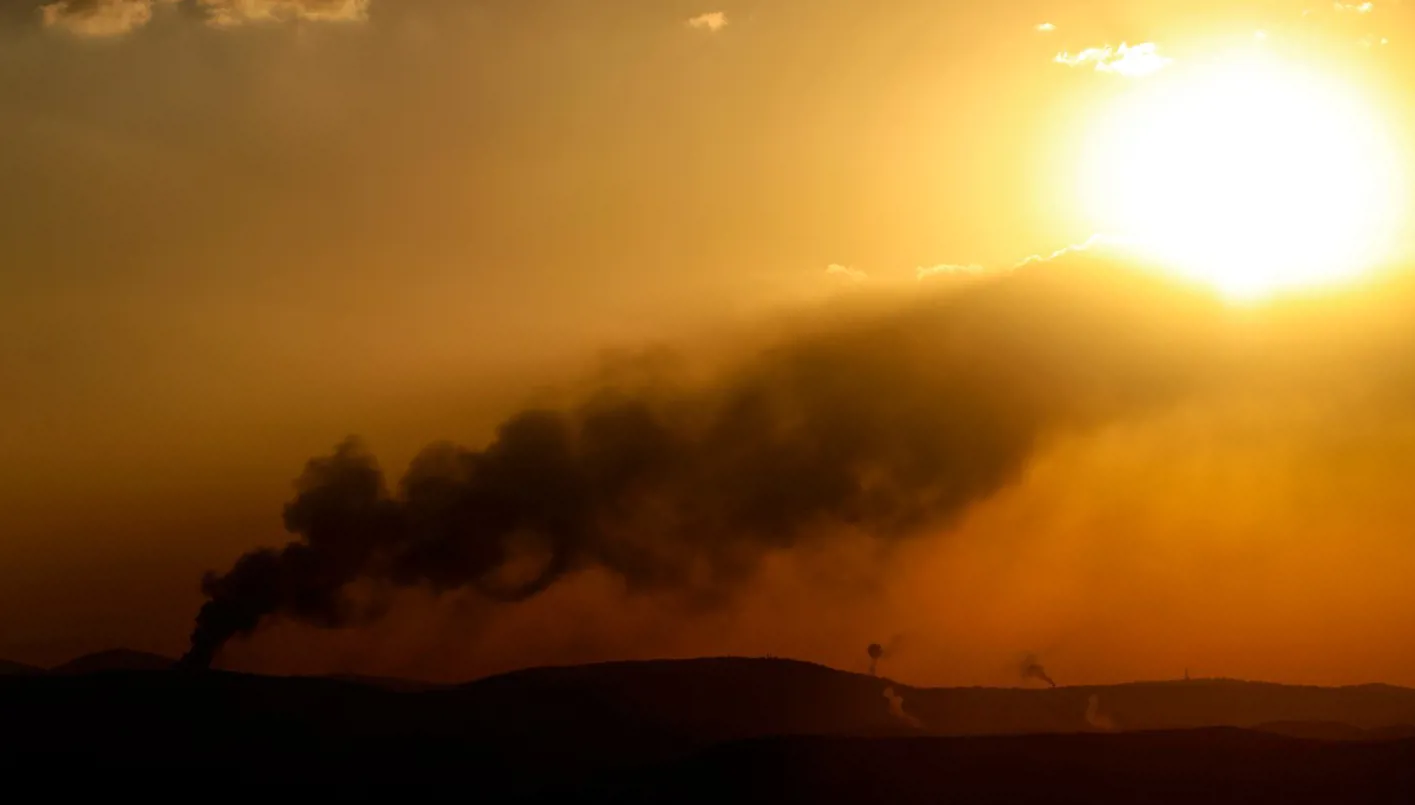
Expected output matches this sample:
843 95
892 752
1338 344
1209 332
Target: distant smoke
880 422
879 652
896 709
1094 717
1032 669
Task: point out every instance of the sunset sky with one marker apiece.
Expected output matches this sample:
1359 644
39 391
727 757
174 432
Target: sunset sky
1161 247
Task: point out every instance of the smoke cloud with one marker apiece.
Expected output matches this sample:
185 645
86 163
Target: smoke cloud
879 652
880 421
1032 669
896 709
876 651
1095 718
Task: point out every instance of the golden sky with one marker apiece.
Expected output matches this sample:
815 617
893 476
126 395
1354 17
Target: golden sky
233 232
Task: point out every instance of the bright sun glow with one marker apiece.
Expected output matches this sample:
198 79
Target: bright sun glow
1250 174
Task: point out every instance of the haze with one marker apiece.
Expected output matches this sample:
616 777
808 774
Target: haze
232 234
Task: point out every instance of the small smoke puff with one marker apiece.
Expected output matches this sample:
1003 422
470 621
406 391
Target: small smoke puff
1046 28
712 21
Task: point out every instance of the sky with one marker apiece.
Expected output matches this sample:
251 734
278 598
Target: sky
235 232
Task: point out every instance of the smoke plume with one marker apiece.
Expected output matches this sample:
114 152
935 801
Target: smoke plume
896 709
1032 669
881 421
879 652
1094 717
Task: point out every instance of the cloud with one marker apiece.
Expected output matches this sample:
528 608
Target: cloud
847 273
1046 28
108 18
712 21
232 13
947 270
1130 61
1358 8
1094 242
98 18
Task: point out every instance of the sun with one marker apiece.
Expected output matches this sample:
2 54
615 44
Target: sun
1249 173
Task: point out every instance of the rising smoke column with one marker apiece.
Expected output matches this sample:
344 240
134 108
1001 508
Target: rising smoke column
882 422
876 652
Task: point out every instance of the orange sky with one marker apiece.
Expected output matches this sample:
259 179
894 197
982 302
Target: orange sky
229 238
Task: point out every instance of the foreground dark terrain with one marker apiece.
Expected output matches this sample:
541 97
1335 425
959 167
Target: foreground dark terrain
713 730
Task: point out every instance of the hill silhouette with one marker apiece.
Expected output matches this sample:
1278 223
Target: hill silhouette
8 668
806 698
607 729
1334 731
1196 766
392 683
114 660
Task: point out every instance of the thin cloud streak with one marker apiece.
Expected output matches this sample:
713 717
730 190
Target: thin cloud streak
100 19
1129 61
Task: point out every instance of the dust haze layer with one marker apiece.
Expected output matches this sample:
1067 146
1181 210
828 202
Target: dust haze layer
883 420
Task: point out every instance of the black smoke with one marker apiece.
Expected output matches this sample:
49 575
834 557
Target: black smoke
882 421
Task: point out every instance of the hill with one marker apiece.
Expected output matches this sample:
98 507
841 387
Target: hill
1197 766
1334 731
600 725
8 668
392 683
789 697
1156 706
114 660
